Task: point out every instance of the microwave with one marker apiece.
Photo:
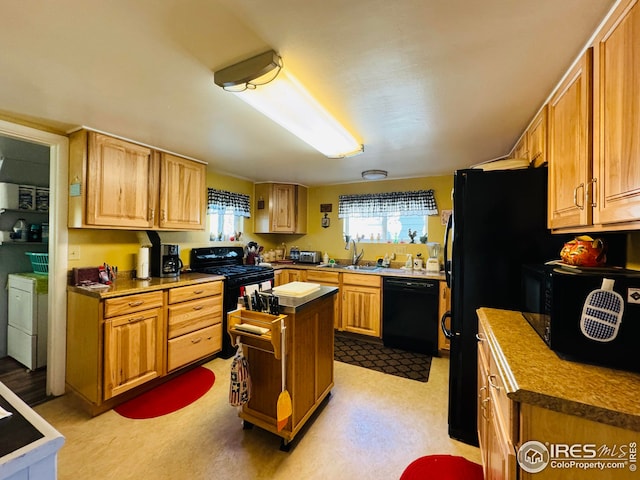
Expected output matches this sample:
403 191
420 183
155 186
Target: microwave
553 299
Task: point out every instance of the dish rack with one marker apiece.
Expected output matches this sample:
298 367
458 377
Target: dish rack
39 262
266 334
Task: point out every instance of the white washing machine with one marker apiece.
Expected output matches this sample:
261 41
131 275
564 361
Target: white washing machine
28 317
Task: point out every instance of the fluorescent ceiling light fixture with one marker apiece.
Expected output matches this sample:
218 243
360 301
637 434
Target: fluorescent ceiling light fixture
374 174
262 83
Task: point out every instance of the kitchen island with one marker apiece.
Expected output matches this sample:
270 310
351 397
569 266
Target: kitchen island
308 356
531 398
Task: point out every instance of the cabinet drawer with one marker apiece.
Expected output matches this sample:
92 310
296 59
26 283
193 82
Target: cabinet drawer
190 316
323 277
364 280
193 346
132 303
192 292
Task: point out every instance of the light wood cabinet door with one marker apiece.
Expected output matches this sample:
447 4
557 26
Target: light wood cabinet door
617 117
537 139
521 149
361 312
280 208
570 144
132 351
183 193
119 176
283 215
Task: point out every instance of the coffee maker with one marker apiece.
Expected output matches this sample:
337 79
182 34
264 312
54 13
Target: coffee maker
165 257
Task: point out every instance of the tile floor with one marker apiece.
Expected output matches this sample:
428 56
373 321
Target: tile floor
372 427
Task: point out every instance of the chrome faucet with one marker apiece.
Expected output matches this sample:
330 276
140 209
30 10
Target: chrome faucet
355 258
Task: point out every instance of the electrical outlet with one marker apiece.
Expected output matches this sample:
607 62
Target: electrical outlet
74 253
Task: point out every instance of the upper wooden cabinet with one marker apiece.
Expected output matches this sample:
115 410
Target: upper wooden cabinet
118 184
570 148
281 208
617 118
521 149
182 193
537 139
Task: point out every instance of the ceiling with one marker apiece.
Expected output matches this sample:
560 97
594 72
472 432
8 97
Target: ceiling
428 86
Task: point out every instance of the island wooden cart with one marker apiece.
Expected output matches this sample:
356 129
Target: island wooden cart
308 356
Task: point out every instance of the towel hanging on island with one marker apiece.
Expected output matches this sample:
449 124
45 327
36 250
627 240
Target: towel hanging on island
240 385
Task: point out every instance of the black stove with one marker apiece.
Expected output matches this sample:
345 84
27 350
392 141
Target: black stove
228 261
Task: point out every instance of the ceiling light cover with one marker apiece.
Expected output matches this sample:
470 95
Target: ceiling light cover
374 174
284 100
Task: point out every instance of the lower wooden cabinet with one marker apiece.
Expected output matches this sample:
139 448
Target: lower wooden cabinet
119 343
194 323
287 275
361 304
193 346
132 351
497 419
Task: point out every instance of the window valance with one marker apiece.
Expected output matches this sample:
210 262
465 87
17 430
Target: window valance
221 201
419 202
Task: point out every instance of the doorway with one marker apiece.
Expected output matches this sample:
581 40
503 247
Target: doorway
58 246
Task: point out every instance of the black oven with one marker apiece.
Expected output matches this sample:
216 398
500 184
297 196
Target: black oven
229 262
553 302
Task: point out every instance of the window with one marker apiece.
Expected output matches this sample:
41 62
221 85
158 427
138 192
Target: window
387 217
226 211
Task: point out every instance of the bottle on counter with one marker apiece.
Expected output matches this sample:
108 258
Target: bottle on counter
325 258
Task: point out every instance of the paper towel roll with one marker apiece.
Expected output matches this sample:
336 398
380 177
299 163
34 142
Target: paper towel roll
142 271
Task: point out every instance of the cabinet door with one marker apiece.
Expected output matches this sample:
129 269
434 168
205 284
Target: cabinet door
521 149
617 117
283 208
537 139
570 149
183 193
119 178
132 351
361 310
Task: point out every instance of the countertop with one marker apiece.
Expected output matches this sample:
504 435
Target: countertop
389 272
534 374
128 286
295 304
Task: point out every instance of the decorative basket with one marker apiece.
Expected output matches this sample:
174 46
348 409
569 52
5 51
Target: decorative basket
39 262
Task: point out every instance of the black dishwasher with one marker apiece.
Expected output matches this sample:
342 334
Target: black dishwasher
410 314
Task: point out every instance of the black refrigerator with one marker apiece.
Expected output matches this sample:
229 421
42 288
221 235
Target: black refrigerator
498 224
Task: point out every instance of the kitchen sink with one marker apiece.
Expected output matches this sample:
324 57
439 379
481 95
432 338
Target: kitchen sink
366 268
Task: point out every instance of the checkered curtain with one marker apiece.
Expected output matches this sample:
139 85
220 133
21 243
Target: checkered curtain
220 201
419 202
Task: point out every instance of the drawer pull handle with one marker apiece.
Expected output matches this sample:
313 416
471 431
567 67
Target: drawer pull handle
196 340
492 383
136 304
135 319
484 408
198 292
198 307
480 337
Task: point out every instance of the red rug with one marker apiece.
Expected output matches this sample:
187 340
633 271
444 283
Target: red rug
442 467
170 396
